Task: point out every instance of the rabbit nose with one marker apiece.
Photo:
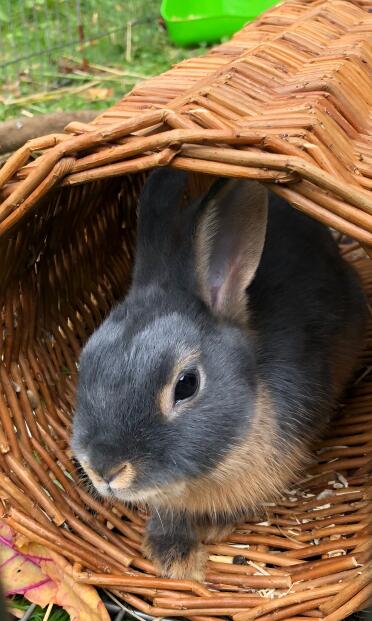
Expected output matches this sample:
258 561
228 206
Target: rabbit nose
115 472
121 476
104 459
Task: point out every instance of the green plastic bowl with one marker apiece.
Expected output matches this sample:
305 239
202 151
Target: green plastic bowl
190 22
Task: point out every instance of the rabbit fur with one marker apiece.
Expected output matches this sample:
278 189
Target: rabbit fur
248 301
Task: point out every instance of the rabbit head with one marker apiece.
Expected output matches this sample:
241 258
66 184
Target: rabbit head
167 384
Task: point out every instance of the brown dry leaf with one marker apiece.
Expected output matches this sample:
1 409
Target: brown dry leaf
20 573
97 92
45 577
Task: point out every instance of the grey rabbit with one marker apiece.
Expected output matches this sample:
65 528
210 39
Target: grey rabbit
202 392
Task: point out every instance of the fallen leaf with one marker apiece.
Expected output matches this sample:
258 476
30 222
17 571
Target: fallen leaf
44 577
21 574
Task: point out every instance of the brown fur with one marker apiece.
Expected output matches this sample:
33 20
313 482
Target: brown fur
190 567
96 480
125 476
256 471
123 479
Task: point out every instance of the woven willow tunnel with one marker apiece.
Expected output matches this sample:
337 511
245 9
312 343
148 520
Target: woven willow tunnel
287 102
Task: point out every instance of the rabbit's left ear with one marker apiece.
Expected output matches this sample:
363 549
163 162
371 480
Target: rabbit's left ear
229 241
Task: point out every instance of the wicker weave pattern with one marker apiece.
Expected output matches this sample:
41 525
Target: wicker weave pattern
287 101
292 91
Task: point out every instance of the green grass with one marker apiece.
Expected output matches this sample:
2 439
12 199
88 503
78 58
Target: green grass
28 26
57 614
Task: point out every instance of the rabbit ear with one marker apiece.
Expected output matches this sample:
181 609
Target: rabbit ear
160 232
229 242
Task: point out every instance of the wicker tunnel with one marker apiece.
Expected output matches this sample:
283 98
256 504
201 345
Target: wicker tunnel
288 101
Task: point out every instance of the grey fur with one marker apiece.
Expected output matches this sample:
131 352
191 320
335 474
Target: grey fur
303 300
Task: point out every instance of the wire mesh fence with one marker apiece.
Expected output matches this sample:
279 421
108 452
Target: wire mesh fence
74 52
38 37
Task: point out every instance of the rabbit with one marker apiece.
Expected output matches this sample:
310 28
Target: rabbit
201 393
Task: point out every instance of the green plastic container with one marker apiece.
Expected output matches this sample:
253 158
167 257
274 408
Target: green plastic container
190 22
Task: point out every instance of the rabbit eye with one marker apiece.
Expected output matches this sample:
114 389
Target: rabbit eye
187 385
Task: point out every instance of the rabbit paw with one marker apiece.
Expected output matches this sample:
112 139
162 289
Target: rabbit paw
175 549
174 562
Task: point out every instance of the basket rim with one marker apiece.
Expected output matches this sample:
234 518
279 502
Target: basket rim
311 155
